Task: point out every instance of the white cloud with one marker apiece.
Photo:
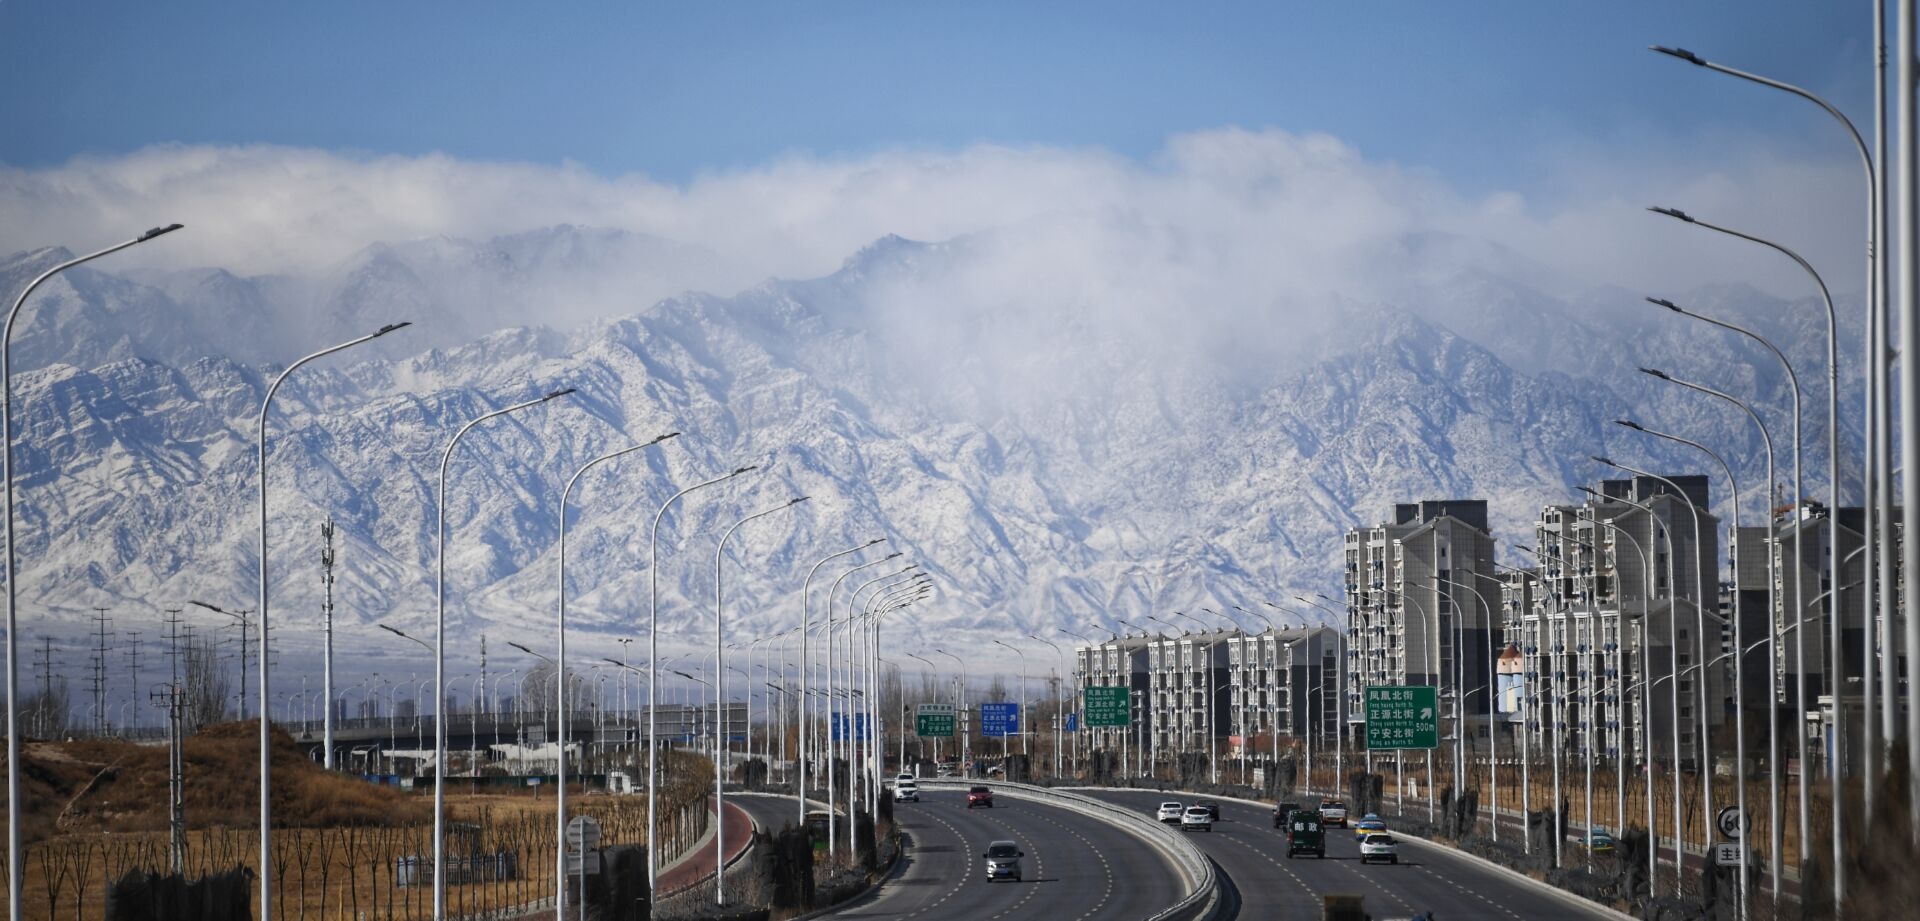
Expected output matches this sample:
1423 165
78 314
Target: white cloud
1220 220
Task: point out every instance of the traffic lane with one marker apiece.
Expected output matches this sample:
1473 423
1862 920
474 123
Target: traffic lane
937 871
1078 868
1429 877
1269 888
1075 869
770 812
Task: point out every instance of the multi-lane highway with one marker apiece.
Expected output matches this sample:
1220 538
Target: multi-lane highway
1429 878
1076 868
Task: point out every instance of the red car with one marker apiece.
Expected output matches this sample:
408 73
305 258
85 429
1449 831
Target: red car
980 796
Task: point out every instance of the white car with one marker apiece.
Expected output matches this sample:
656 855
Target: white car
1170 813
904 777
1379 847
1196 818
906 791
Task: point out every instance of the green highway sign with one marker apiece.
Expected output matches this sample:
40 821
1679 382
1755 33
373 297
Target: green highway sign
1400 717
1106 707
933 721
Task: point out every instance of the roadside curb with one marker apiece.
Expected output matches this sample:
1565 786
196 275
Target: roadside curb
1558 894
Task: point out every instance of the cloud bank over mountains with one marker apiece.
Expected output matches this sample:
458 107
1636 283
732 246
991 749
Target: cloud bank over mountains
1079 386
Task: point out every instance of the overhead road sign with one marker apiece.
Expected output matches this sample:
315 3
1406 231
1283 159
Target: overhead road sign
1402 717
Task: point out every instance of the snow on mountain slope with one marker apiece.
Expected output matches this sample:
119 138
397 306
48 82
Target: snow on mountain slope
1048 463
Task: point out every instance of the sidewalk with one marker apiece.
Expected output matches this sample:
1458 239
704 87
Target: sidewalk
698 862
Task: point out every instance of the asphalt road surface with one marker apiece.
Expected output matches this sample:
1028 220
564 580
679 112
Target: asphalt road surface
1076 868
1428 878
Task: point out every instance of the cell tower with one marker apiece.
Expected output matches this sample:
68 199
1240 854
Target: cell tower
326 610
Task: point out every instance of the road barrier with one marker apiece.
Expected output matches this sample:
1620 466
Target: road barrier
1203 901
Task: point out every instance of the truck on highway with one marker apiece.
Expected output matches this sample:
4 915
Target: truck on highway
1305 834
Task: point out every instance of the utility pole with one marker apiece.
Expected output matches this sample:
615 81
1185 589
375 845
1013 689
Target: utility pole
169 699
46 685
485 699
100 622
326 609
133 668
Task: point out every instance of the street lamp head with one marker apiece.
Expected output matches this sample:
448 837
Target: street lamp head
1681 53
211 607
1672 213
558 394
747 469
1656 372
160 232
1601 460
664 438
1663 302
1629 423
799 500
390 327
876 540
390 629
890 555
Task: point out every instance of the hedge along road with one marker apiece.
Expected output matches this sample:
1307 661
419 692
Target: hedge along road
1428 878
1076 869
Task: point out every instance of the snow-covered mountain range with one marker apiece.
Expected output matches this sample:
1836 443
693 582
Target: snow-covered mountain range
1052 464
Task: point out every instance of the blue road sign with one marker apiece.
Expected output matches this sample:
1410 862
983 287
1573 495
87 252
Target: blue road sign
997 721
1073 722
859 727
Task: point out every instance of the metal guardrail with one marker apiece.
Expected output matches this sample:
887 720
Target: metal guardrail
1186 857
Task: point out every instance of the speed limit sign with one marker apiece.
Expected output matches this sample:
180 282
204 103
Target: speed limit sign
1732 823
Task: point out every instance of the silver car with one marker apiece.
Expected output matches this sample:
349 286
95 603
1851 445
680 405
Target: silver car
1003 860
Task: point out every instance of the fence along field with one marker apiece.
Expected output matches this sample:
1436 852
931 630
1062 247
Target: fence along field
342 848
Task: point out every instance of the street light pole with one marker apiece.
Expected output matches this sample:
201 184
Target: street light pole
720 703
1836 679
566 700
1774 766
16 865
1739 672
800 702
1877 475
1059 708
266 727
653 661
1700 638
439 650
826 703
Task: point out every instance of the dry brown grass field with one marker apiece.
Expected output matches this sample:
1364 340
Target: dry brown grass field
341 847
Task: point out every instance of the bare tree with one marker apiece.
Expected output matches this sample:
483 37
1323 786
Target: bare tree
207 684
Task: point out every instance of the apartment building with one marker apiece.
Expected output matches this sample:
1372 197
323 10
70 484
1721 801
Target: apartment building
1419 590
1615 610
1119 662
1284 682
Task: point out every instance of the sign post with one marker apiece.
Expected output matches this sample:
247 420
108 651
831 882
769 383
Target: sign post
1403 717
583 839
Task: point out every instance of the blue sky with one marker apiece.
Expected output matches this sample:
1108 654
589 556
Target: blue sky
1488 95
